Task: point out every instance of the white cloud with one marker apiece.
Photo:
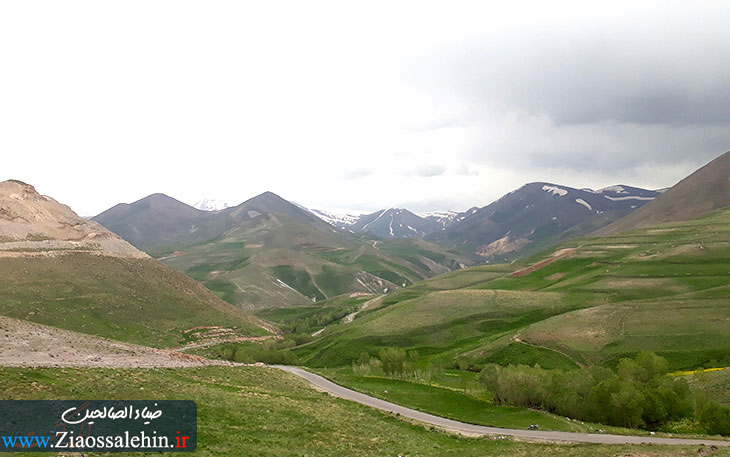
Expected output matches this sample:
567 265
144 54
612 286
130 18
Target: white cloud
352 107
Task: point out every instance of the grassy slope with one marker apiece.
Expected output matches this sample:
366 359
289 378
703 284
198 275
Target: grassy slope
666 289
663 289
244 266
715 383
439 325
134 300
264 412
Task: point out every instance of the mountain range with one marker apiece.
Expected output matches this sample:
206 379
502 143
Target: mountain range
524 220
537 215
268 251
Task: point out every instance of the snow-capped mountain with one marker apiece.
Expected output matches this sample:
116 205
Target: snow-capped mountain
209 204
394 223
447 218
443 218
539 214
338 220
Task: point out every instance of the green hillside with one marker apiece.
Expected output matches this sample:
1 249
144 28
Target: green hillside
277 260
135 300
590 301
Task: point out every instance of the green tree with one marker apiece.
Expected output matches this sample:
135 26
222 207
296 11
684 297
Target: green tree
393 360
716 419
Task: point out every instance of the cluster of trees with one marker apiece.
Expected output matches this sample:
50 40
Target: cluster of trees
638 394
274 352
396 363
319 319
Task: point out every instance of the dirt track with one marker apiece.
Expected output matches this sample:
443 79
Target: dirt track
26 344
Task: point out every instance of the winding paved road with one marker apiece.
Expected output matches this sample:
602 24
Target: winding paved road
471 429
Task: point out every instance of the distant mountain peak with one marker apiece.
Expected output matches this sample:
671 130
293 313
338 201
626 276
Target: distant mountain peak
211 204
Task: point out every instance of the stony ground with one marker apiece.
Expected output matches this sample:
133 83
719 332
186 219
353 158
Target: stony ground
26 344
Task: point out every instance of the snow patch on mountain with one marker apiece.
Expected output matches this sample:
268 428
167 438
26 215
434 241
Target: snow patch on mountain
338 220
555 190
630 197
614 189
211 204
580 201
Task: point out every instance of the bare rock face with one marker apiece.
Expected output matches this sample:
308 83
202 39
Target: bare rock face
32 224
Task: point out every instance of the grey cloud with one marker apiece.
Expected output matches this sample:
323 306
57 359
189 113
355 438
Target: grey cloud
588 76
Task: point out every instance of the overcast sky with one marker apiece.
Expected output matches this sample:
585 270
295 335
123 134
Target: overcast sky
357 106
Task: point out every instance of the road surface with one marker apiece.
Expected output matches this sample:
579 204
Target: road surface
471 429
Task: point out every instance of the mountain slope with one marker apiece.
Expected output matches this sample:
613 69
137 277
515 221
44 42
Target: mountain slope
157 221
60 270
277 260
705 190
537 215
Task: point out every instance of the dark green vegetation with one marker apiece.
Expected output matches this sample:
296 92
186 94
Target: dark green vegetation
307 319
272 352
264 412
639 394
135 300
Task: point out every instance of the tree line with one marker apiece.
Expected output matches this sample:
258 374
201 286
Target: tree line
637 394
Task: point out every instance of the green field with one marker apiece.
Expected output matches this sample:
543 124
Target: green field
265 412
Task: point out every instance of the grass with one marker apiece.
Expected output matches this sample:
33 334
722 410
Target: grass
106 296
438 325
715 383
454 395
264 412
662 289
